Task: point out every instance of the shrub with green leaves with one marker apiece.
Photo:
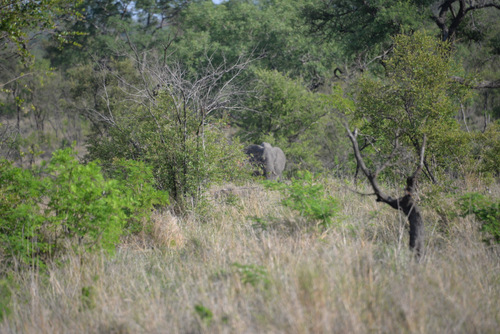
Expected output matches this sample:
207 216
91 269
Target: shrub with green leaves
136 181
205 314
20 218
252 274
487 211
67 203
415 98
307 196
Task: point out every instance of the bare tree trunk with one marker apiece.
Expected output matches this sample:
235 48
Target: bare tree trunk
408 206
416 229
406 203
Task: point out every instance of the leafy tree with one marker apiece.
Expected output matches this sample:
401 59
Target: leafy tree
110 26
478 48
364 28
103 24
410 103
22 25
281 107
158 13
450 14
273 31
35 108
404 118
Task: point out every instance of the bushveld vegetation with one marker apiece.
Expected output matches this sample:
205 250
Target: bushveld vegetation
127 204
250 264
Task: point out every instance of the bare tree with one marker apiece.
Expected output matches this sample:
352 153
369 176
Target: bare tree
405 203
213 89
449 14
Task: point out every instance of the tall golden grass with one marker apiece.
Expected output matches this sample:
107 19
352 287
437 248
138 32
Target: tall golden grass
220 269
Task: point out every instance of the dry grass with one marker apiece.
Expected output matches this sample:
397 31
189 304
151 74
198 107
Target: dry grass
273 275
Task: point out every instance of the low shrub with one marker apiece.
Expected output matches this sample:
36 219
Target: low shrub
487 211
307 196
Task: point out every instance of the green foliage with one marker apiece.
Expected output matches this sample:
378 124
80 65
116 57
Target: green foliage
272 30
286 114
204 313
487 149
136 182
285 108
362 27
20 219
104 23
410 102
88 297
87 207
18 19
68 203
5 295
252 274
307 196
38 102
487 211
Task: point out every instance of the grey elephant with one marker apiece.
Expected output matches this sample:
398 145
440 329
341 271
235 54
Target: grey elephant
270 160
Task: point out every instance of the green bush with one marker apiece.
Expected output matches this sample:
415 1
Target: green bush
68 203
252 274
205 314
487 211
136 181
20 218
307 197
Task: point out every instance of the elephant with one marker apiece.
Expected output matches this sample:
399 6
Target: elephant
271 160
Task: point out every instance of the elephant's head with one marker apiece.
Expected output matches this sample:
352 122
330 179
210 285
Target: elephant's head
271 160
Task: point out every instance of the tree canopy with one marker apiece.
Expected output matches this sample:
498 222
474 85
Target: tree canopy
307 59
